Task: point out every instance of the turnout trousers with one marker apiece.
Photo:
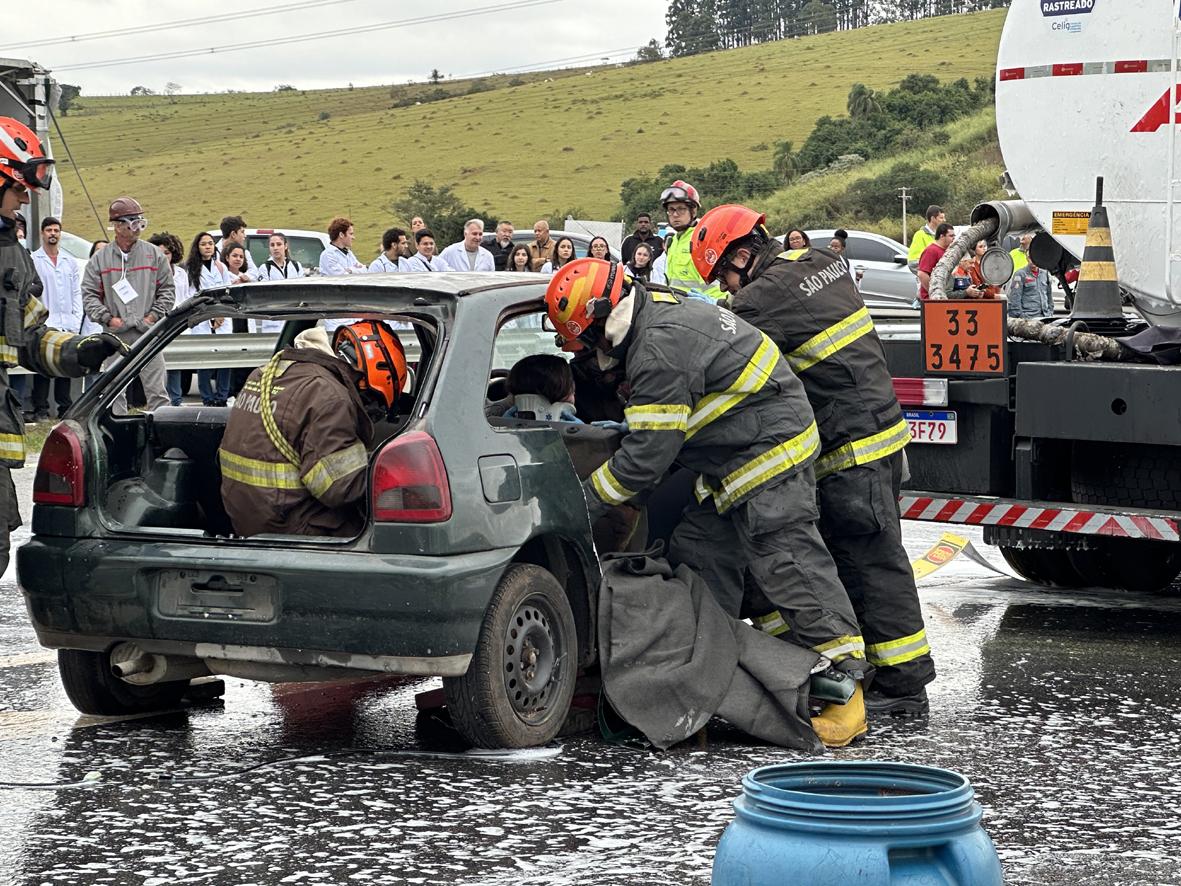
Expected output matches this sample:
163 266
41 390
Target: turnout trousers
10 516
772 539
860 524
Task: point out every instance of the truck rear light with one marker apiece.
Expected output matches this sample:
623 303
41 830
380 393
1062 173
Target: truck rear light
410 481
921 391
61 470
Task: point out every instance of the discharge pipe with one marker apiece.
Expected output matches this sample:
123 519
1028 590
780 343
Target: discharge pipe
992 220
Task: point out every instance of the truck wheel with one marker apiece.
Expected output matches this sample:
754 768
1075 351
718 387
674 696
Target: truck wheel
1128 564
1128 476
93 689
1043 566
518 688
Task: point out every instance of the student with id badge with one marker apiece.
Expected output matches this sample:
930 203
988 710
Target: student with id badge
127 287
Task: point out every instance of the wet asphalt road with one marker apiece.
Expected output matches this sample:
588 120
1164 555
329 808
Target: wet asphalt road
1064 710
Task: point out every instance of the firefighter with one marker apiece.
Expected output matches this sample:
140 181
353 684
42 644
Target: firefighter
295 453
804 300
681 204
712 393
24 338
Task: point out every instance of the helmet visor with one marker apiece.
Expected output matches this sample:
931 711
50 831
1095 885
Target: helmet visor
36 174
675 193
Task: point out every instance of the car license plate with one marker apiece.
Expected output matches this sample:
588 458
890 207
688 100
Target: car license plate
931 427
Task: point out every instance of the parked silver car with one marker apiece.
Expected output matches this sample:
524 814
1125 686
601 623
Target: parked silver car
880 263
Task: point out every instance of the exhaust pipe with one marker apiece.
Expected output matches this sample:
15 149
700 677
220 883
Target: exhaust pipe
132 665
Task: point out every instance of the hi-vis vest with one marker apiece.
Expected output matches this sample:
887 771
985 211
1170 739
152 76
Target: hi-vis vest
680 272
827 335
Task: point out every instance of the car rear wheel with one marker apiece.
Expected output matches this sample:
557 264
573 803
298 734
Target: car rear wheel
93 689
517 690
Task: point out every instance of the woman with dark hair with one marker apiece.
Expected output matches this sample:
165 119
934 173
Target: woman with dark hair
796 239
640 266
599 248
564 253
203 270
518 259
96 246
838 243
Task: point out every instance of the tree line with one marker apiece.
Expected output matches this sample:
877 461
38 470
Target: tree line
705 25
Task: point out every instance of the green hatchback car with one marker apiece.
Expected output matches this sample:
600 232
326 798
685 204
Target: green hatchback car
476 565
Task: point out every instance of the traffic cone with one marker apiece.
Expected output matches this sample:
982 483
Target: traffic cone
1098 295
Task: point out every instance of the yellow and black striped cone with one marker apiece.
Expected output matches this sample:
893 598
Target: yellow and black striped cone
1097 296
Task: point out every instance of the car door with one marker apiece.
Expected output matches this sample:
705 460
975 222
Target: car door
883 276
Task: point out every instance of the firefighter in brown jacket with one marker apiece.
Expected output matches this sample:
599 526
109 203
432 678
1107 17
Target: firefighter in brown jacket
296 447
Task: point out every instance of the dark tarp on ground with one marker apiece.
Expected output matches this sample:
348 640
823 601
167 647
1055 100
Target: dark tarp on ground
671 658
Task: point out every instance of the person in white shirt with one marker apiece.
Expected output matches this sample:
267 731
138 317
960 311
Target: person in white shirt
337 259
424 259
280 266
660 265
203 270
233 230
62 297
468 254
391 260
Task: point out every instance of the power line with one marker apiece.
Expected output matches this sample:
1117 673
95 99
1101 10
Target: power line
169 26
318 35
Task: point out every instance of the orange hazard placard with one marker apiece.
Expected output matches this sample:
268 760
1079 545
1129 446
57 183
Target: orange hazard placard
962 337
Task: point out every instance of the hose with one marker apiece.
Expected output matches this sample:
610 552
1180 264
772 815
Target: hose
1088 345
982 230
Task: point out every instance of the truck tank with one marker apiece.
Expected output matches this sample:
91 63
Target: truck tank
1083 90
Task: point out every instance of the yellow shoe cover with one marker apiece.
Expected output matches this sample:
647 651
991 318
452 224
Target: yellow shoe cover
838 724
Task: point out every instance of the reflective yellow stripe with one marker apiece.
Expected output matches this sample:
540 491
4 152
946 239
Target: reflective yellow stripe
842 648
51 346
865 450
824 344
608 488
758 471
701 489
1098 237
255 472
754 375
772 623
12 446
266 409
895 652
8 354
35 313
336 466
1098 270
793 254
657 417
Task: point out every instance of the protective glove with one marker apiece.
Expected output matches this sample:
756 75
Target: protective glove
93 350
700 296
620 426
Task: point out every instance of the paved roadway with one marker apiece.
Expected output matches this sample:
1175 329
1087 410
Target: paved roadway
1063 709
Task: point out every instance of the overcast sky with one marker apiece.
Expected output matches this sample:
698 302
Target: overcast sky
506 36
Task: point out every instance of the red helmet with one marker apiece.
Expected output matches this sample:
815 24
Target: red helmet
370 347
718 230
22 159
581 292
680 192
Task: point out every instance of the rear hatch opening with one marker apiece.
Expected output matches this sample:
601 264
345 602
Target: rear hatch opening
158 472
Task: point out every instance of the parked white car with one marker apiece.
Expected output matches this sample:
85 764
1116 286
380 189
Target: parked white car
879 262
306 246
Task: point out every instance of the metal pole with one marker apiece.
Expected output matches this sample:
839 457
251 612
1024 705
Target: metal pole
1170 196
905 198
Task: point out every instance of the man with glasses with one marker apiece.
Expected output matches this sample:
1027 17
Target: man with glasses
128 286
24 337
681 203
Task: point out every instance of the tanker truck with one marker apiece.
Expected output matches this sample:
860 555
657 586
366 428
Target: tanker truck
1062 438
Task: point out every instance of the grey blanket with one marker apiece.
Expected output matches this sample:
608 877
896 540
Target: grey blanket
671 658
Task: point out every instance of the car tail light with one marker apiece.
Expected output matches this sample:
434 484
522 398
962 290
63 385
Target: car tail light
921 391
410 481
61 470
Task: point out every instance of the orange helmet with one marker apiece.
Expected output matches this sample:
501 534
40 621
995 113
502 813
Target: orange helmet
718 230
370 347
22 159
581 292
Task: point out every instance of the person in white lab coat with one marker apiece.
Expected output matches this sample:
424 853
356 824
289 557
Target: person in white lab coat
62 296
393 253
468 254
424 259
279 266
338 259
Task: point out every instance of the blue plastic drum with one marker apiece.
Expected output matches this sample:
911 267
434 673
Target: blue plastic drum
856 824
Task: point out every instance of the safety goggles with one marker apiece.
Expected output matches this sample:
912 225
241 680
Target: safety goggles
675 193
36 174
137 223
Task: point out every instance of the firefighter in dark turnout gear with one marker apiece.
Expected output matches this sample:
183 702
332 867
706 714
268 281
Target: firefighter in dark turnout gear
806 302
295 453
24 339
712 393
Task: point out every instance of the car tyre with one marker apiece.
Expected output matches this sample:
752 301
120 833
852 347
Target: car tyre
1042 566
93 689
519 685
1130 564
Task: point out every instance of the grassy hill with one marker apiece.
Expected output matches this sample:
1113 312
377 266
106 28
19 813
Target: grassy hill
552 142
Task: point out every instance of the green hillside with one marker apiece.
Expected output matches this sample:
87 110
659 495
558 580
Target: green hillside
553 142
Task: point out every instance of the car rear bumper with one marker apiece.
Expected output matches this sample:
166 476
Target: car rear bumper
347 609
